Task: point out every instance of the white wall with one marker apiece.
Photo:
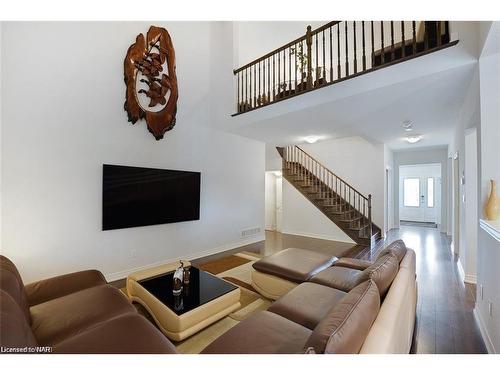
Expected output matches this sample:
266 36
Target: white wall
488 276
422 156
270 198
468 257
63 118
389 189
354 159
257 38
1 121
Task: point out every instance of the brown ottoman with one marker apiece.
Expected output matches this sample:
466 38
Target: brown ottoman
277 274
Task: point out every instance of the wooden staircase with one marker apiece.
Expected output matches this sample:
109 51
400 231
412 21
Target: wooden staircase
350 210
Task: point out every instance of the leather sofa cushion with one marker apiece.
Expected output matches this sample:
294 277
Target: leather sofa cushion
15 331
63 317
357 264
262 333
341 278
126 334
346 326
396 248
307 304
12 284
382 272
59 286
293 264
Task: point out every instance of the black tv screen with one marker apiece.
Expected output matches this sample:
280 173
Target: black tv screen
133 197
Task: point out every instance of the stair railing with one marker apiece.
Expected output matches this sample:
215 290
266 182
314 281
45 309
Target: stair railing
327 184
332 53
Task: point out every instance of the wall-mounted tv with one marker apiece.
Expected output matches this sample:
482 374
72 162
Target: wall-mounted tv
133 197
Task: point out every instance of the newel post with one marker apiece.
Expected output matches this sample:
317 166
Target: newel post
370 214
309 56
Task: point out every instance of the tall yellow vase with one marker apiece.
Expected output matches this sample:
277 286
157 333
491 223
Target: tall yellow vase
492 208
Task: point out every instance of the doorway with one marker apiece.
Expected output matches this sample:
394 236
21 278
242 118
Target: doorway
420 195
273 201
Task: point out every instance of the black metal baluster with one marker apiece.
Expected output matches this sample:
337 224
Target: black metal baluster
346 52
382 60
238 91
338 51
355 52
373 45
324 64
392 41
403 41
364 54
295 62
414 37
331 55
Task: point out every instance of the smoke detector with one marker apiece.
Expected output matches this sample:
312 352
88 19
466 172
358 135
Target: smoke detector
408 126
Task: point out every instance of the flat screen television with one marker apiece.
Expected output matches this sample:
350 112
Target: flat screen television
133 197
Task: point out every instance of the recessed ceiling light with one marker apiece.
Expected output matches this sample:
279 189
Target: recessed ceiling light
407 126
312 139
413 138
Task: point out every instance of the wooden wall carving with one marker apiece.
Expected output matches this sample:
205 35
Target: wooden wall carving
151 81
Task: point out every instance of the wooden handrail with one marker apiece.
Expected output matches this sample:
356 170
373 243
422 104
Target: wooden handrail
332 53
334 174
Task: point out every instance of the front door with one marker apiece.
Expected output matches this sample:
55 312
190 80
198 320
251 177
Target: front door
420 188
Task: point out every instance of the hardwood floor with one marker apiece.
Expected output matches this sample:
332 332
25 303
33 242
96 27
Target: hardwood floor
445 321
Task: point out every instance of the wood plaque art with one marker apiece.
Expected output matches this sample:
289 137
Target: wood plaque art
151 81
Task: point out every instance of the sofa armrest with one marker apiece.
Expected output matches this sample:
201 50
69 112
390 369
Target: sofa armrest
357 264
59 286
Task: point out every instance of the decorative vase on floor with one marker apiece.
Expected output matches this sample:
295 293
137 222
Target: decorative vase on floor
492 208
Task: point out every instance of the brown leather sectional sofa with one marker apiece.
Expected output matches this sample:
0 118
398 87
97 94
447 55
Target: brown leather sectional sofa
74 313
331 306
336 306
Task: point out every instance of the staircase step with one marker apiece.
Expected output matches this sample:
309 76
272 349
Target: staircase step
351 219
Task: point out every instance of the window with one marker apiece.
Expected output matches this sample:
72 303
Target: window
411 192
430 192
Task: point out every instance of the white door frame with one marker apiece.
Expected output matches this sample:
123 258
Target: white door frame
456 204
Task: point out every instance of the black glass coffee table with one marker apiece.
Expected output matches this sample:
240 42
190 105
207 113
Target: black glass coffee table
203 301
203 287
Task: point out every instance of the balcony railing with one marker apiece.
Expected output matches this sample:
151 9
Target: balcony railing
332 53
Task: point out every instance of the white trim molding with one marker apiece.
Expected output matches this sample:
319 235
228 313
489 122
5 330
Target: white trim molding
484 333
491 227
461 270
123 274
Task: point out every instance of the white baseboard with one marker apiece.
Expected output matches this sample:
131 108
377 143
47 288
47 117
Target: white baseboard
123 274
314 235
466 278
484 332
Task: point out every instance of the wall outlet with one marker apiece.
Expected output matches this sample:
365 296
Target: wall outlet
250 232
133 253
490 308
481 291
